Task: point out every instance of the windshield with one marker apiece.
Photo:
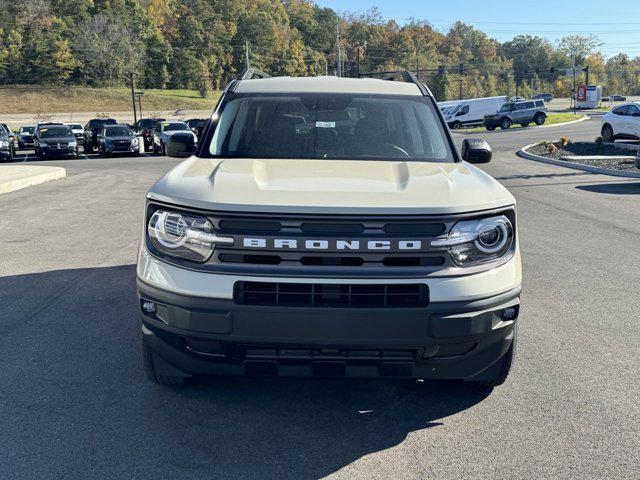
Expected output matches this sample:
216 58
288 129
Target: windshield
313 126
507 107
56 131
150 123
98 123
117 131
172 127
28 130
197 123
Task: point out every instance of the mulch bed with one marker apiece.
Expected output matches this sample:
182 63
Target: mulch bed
590 148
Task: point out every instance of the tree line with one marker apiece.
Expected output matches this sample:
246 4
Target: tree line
200 44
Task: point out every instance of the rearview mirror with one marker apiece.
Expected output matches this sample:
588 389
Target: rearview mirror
476 150
180 145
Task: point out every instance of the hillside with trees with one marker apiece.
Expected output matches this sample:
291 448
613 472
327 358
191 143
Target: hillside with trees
200 44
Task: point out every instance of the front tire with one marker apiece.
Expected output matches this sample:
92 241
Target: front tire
499 371
607 134
151 371
539 119
505 124
456 125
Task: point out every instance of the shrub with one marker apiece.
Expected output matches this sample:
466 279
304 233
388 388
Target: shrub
564 141
552 149
599 141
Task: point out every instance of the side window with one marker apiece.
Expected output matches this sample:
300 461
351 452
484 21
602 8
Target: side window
621 110
529 105
519 106
539 103
464 110
633 110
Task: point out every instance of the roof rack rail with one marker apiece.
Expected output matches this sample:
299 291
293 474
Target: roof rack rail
251 73
398 75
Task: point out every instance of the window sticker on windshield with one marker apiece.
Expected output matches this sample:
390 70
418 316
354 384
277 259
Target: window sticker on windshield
325 124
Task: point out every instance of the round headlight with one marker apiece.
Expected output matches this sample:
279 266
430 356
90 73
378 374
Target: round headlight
475 242
183 235
493 234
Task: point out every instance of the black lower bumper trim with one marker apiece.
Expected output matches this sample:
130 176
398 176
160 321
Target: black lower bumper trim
201 336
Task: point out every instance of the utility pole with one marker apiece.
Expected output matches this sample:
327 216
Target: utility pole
586 72
573 91
139 95
358 61
461 72
246 54
133 101
417 68
339 56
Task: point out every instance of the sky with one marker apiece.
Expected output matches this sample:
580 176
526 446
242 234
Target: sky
615 22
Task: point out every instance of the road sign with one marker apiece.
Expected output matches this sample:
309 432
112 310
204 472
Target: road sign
582 93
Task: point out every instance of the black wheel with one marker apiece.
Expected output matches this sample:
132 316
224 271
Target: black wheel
506 123
539 119
163 150
456 125
87 148
607 134
154 148
150 370
500 371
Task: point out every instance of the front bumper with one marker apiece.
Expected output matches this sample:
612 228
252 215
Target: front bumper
58 152
190 334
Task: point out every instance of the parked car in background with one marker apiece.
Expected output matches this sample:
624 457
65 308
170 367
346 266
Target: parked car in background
117 139
470 113
164 131
25 136
6 151
54 141
547 97
91 131
12 137
517 99
523 113
145 127
78 131
621 122
197 126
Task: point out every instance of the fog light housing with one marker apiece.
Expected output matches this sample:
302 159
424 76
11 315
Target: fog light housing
149 307
510 313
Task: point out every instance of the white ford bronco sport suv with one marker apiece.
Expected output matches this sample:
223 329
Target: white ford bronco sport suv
328 227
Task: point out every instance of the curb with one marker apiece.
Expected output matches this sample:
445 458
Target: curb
17 177
576 166
582 119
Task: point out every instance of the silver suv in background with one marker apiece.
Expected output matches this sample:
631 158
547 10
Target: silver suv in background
523 113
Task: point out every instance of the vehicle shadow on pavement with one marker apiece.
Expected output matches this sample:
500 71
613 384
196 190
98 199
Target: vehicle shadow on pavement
612 188
75 400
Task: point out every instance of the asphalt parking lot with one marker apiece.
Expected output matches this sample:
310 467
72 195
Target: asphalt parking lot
75 403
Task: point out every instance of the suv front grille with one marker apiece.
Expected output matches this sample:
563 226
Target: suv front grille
330 295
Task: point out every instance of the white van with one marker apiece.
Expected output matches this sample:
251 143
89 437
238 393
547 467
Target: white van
470 113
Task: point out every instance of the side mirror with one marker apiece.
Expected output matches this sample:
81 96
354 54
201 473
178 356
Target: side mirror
180 145
476 150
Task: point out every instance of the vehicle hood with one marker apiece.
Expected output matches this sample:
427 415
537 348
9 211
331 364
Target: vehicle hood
120 138
172 132
330 186
57 140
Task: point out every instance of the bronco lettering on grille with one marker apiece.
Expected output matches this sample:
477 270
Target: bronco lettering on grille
321 244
